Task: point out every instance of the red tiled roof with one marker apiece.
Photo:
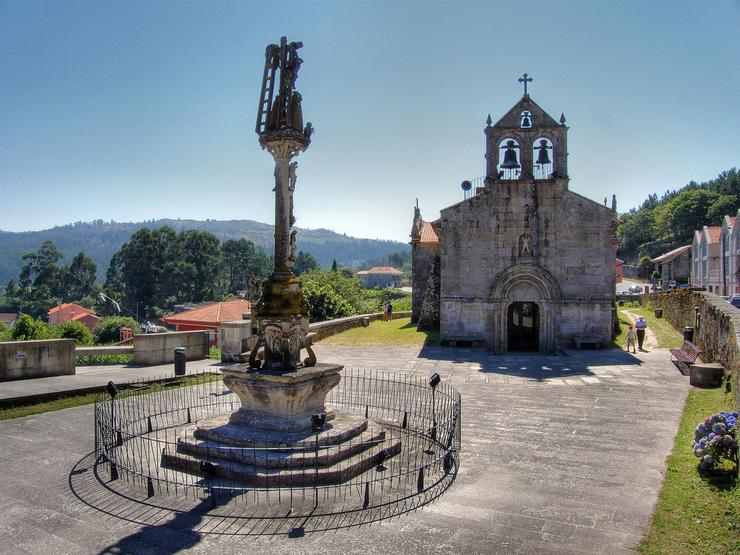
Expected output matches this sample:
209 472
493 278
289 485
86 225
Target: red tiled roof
429 233
380 270
668 256
215 313
714 232
65 306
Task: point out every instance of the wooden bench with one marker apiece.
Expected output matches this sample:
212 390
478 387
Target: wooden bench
685 356
588 340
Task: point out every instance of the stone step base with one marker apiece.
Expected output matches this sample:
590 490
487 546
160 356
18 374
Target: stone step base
299 457
259 476
341 428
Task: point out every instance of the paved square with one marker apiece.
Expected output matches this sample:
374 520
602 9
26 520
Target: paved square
559 455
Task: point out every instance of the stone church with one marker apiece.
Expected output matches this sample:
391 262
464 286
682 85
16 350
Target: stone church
522 264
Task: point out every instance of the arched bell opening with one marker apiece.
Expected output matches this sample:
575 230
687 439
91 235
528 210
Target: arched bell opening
509 166
543 158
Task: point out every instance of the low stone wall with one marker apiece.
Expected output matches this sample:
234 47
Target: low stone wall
159 348
331 327
20 360
716 326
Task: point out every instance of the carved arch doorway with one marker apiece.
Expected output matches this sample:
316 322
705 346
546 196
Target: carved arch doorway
523 326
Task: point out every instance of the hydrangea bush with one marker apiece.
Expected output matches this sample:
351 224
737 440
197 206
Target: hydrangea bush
715 439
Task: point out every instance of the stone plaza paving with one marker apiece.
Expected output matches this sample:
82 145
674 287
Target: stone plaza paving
560 454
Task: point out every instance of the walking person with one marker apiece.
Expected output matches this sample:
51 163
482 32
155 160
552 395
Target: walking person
640 327
389 308
631 339
385 312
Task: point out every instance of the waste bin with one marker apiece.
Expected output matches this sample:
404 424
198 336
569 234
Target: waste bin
658 312
688 334
179 361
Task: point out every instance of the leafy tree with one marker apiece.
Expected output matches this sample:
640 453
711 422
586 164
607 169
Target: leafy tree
244 265
108 329
333 295
27 329
304 262
80 277
193 265
4 332
75 330
723 206
685 213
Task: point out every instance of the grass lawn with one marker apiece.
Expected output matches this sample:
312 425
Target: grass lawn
396 333
668 337
7 413
695 514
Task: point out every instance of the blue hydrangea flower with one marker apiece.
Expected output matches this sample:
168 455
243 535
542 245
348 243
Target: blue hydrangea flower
719 428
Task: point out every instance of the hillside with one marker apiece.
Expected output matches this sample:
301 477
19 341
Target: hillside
663 224
99 240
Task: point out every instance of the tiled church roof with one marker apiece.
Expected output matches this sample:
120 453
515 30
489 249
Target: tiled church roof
429 233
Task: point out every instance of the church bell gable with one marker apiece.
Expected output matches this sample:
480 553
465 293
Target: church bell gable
526 144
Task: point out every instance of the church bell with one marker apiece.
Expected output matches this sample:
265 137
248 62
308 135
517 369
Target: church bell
510 160
542 156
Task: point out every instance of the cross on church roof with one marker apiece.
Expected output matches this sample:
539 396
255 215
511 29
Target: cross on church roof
525 79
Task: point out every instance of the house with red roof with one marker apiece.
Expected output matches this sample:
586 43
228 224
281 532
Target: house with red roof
210 317
380 276
71 312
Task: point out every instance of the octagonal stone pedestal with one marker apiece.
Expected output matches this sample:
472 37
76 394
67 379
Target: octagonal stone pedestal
281 402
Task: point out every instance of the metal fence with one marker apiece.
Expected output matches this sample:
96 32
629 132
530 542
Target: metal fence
413 425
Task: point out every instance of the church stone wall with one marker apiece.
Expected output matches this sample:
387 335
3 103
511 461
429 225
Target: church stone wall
558 239
423 256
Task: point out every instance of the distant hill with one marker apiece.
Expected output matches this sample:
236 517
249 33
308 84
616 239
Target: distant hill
99 240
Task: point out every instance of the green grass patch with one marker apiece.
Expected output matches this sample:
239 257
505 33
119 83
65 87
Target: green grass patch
396 333
695 514
667 336
93 360
71 401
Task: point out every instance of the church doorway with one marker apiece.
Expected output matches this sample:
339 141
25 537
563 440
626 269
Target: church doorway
524 326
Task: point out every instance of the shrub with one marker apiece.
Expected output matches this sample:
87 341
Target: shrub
715 439
75 330
27 329
324 303
108 329
4 332
333 295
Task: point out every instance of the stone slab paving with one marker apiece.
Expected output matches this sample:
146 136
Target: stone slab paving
559 455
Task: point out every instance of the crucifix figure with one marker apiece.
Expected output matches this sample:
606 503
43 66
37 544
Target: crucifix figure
525 79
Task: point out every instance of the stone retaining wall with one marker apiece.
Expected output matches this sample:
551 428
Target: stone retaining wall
159 348
716 326
20 360
331 327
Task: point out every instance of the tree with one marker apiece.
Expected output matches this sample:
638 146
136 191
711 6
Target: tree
685 213
723 206
80 278
41 280
333 295
334 265
28 329
75 330
193 265
244 265
304 262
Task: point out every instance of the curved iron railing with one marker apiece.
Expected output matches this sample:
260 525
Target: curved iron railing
138 425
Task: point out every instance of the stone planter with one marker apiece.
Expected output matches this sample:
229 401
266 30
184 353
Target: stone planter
706 374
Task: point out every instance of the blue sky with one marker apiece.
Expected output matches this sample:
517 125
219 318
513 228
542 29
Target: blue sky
142 110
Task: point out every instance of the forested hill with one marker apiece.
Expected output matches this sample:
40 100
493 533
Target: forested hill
662 224
99 240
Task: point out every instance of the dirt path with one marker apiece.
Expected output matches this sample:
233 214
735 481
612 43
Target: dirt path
651 342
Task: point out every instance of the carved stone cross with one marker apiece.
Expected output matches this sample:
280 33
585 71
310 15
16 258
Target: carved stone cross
525 79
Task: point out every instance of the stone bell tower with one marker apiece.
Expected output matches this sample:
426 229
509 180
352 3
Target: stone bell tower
526 143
